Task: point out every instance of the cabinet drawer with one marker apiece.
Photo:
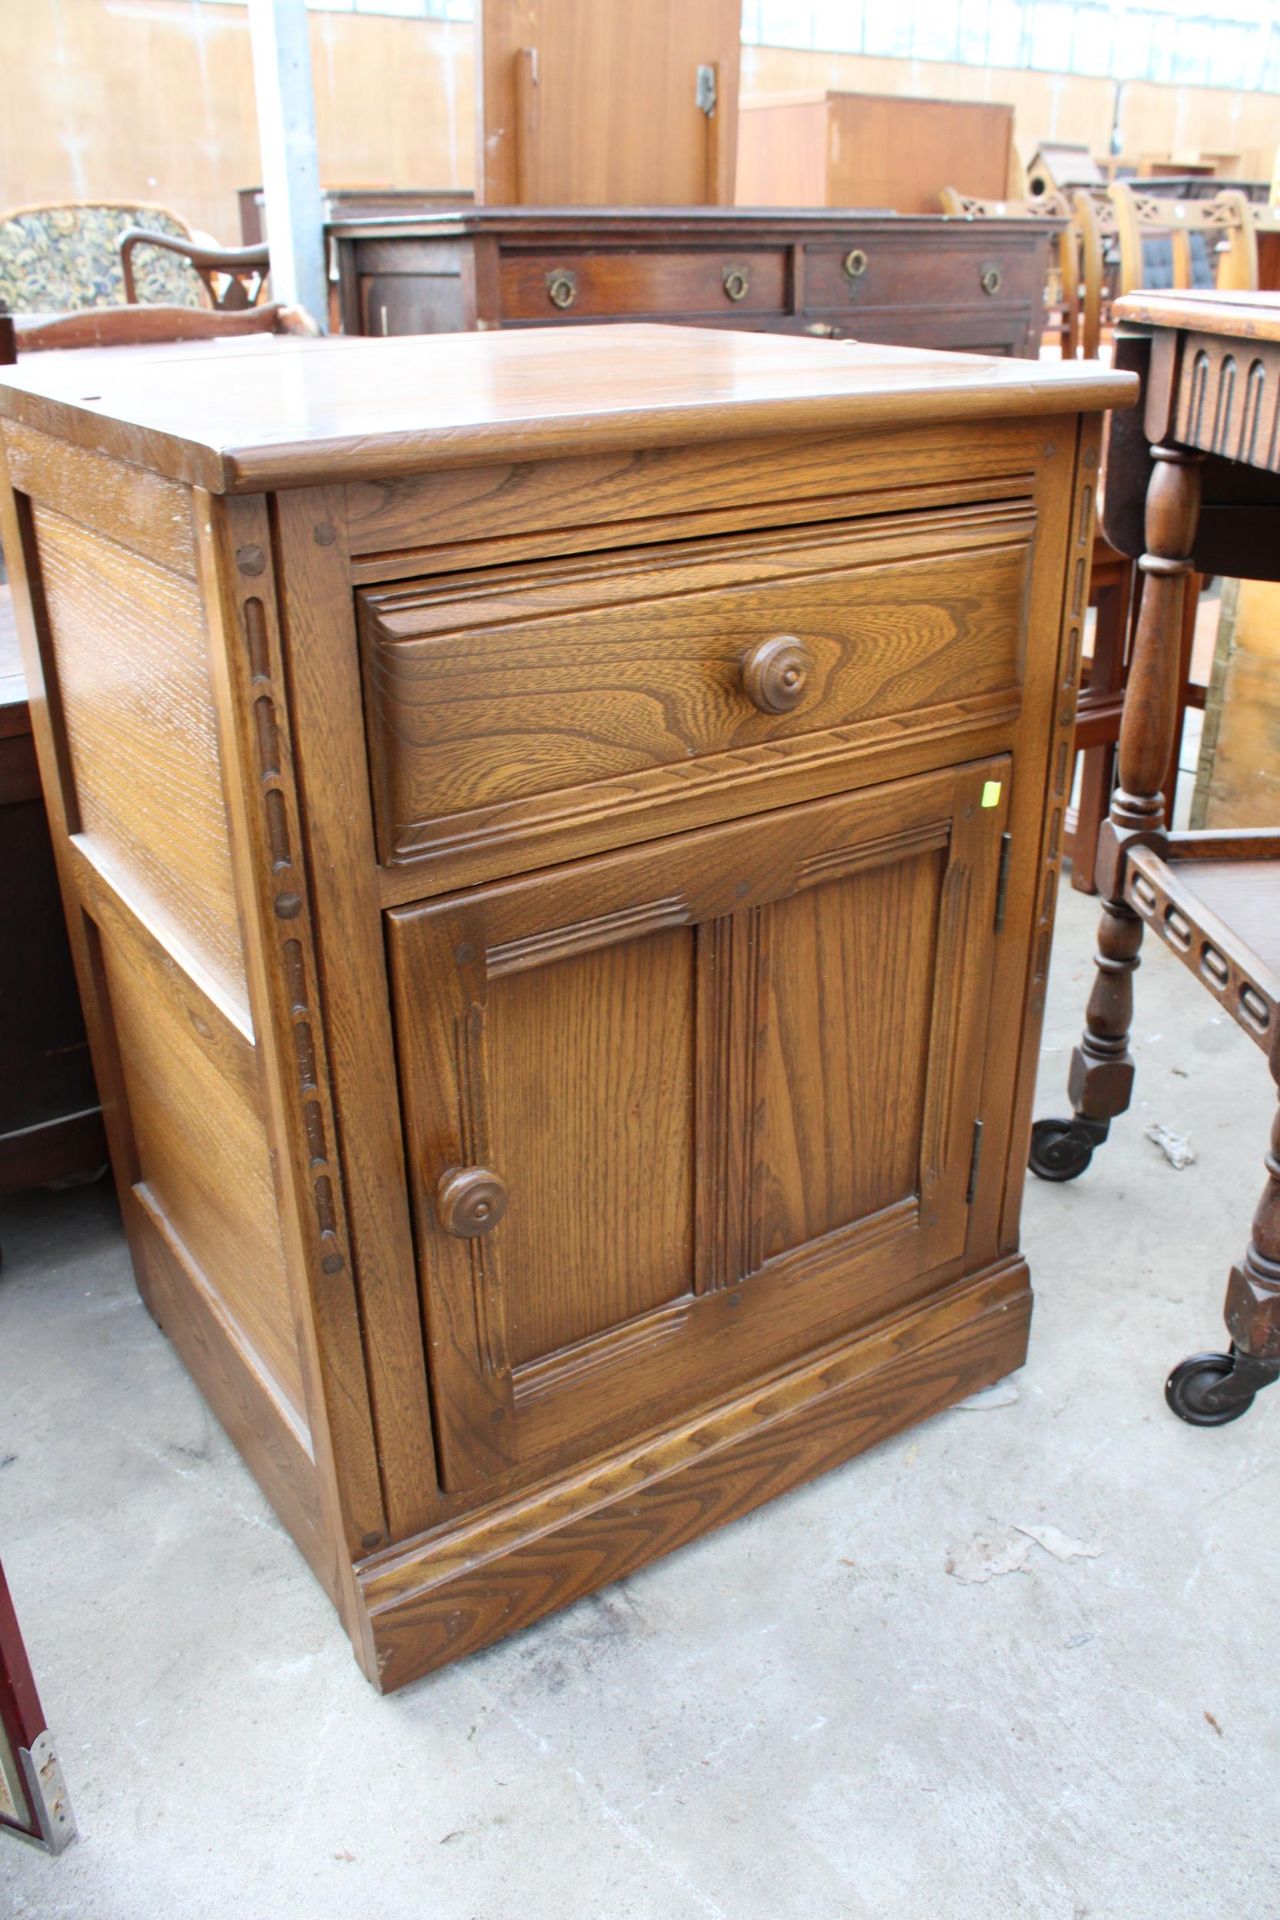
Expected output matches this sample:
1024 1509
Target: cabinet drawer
504 703
566 285
984 270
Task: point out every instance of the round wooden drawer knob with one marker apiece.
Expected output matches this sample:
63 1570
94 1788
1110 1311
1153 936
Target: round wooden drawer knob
470 1200
775 674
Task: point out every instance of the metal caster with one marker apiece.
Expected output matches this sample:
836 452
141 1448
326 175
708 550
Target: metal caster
1212 1389
1062 1149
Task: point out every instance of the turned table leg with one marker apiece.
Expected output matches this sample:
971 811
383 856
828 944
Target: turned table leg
1211 1388
1101 1078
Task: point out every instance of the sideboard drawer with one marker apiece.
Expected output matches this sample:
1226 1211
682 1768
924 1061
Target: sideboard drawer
528 698
596 285
880 273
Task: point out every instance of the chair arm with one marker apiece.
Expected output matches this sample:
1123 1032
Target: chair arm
240 263
153 325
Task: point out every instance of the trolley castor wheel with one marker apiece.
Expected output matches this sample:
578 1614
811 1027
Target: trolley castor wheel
1211 1389
1062 1149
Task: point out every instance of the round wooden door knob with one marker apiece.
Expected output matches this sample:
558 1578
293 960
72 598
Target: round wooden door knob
469 1201
776 673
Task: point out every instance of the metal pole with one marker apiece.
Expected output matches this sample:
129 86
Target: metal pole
280 36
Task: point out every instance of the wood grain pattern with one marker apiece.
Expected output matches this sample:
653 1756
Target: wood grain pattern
488 695
209 1179
569 1046
256 738
331 770
1055 656
127 504
312 412
523 509
211 1345
851 969
129 648
446 1599
588 102
719 1050
590 1307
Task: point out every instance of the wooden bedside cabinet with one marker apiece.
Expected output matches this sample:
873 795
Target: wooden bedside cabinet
559 836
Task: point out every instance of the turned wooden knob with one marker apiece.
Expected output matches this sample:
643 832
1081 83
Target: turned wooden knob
470 1200
775 674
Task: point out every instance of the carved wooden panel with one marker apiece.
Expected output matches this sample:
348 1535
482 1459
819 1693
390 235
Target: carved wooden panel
1228 399
129 647
204 1179
729 1084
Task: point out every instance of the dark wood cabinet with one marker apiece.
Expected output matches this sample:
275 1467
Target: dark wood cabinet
559 836
977 286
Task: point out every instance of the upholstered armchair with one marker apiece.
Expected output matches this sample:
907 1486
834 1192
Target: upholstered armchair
64 258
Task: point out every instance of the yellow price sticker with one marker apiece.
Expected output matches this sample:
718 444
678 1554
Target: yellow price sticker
991 793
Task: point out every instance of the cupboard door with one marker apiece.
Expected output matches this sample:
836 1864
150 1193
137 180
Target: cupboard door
684 1113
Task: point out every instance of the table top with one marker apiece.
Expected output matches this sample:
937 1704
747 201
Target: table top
667 223
1241 316
251 415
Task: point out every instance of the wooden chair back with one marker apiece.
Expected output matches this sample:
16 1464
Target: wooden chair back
1167 243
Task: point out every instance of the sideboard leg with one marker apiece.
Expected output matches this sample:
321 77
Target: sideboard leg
1101 1079
1210 1389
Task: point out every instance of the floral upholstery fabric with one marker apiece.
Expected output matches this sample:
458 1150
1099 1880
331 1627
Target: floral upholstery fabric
63 259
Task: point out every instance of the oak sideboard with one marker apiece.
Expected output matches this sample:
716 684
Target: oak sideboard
558 832
959 284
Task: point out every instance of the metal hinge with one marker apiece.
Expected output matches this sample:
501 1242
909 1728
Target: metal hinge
704 96
1002 879
975 1161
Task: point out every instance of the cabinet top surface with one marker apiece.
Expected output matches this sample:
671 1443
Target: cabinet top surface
1241 316
252 415
667 224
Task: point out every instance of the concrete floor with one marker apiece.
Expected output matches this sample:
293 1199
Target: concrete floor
804 1717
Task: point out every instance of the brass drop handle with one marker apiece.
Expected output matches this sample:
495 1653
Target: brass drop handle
775 673
736 282
469 1201
854 264
562 288
992 279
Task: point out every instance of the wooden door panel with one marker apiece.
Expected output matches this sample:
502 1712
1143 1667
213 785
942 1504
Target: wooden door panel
845 1050
729 1081
590 1066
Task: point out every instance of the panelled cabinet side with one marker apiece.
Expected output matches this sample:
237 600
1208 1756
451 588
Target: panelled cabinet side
1033 894
236 553
130 766
312 559
1056 597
